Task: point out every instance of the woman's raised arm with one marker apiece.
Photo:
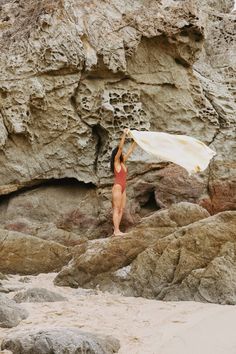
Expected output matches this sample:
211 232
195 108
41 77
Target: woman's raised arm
131 149
121 144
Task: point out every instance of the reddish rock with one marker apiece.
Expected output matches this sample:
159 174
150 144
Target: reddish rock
222 197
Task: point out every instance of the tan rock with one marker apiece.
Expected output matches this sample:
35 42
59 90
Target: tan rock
177 215
107 255
75 73
24 254
71 122
194 263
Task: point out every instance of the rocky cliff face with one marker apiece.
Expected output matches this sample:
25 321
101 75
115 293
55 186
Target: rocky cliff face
216 72
73 74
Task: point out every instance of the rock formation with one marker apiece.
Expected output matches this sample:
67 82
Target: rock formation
74 74
192 262
216 72
67 214
24 254
98 257
10 313
59 340
38 295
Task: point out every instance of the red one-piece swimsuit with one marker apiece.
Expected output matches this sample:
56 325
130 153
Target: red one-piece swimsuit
120 178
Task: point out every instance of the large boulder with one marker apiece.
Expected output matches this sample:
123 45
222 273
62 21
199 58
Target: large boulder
106 255
58 341
24 254
195 263
11 314
178 215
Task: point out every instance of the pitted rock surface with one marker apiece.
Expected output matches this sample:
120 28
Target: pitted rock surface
216 71
74 74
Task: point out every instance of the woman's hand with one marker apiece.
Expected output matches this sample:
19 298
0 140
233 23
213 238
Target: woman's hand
126 131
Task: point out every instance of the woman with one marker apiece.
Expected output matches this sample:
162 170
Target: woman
119 188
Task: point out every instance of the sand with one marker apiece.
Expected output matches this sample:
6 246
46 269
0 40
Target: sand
143 326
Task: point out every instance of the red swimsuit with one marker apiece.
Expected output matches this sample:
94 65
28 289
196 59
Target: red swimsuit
120 178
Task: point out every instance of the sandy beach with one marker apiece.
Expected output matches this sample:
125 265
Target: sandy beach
141 325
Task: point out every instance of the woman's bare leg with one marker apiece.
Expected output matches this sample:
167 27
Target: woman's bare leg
119 202
116 202
122 206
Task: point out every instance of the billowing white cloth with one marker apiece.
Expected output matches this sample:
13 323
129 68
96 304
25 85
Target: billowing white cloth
183 150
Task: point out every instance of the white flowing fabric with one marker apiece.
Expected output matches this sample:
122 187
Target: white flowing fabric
183 150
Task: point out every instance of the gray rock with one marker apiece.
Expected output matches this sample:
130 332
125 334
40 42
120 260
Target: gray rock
11 314
59 341
38 295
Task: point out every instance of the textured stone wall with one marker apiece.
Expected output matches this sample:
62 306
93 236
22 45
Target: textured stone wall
73 74
216 70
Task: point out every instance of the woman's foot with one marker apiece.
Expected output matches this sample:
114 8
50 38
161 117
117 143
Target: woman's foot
118 233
